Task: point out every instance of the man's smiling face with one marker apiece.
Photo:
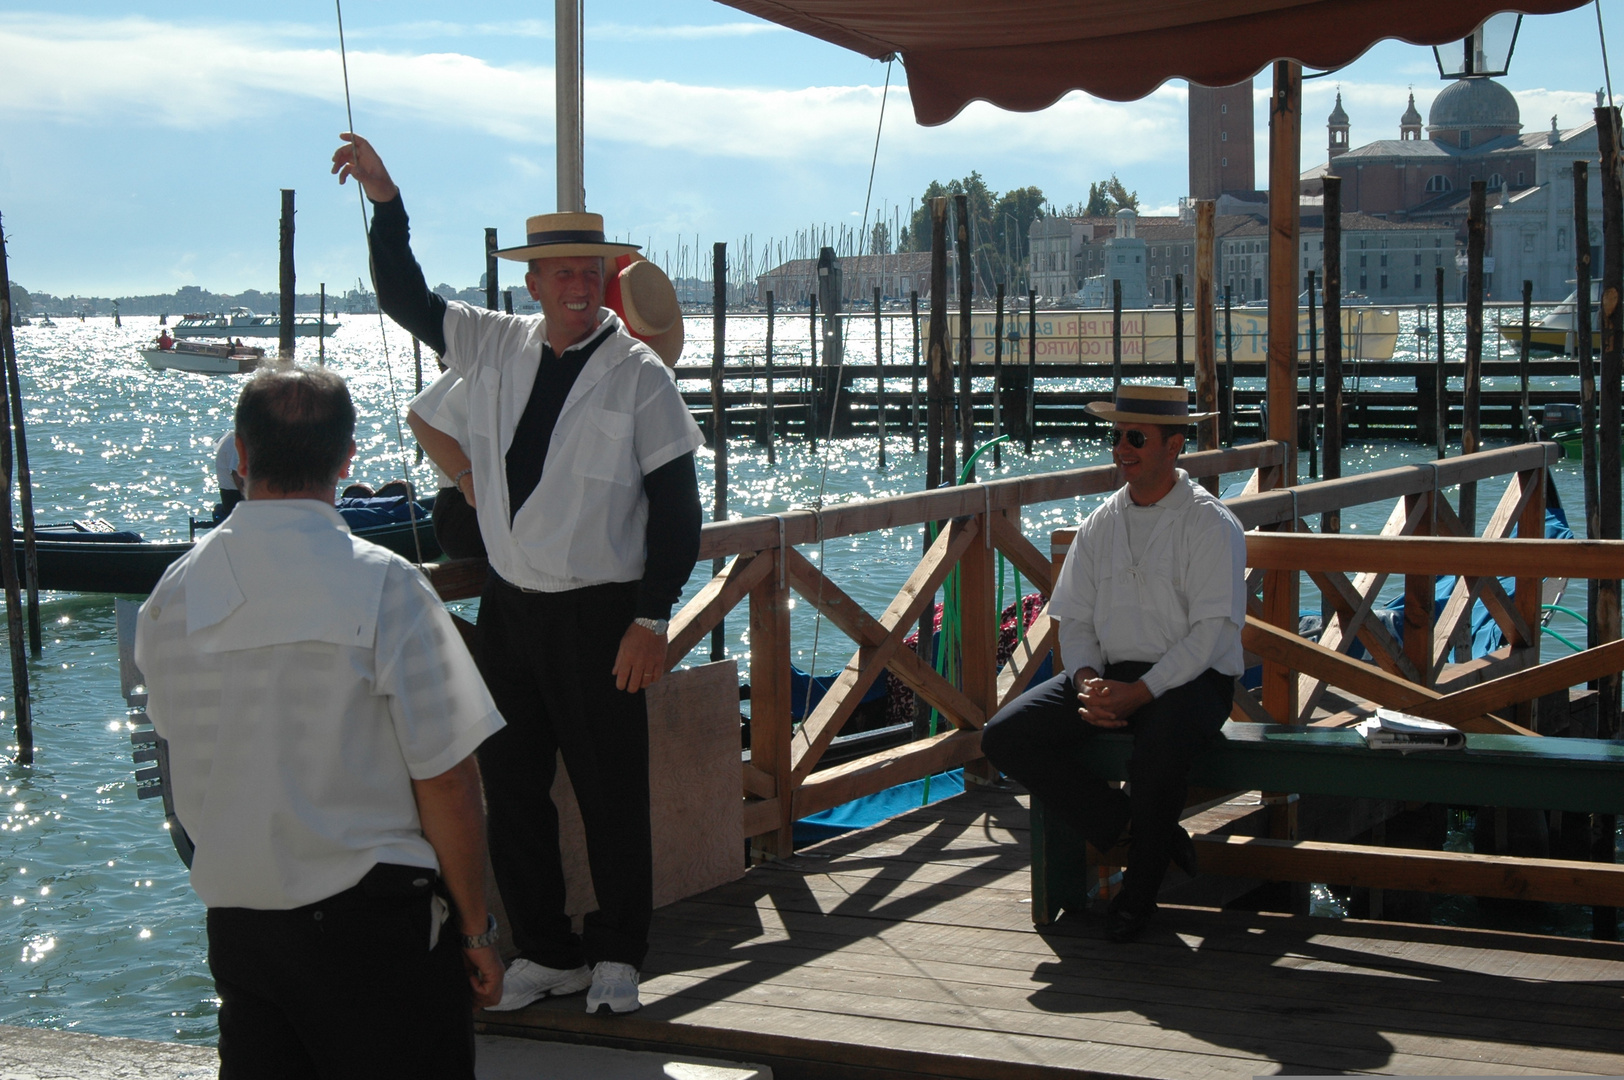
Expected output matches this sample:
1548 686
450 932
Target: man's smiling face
570 291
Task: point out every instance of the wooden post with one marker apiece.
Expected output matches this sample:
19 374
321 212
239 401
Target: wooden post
22 711
321 328
913 395
1031 367
285 338
771 416
1471 425
718 417
490 269
812 371
417 380
507 301
938 402
978 637
998 377
770 723
1605 920
1280 588
1313 353
1116 337
1527 413
1178 328
1443 373
1582 344
1331 520
879 377
967 422
1206 329
25 476
1227 414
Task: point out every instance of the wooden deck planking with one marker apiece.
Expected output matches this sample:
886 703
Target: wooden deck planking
907 950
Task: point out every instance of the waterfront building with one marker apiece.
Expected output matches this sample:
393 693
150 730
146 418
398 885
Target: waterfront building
896 274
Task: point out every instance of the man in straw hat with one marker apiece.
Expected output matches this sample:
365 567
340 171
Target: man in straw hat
581 468
1151 601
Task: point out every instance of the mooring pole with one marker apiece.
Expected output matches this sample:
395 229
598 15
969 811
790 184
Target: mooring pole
417 379
490 269
1522 362
998 377
1443 373
285 338
1331 520
718 417
879 377
1228 416
1313 370
1031 367
1178 328
1116 337
1471 428
967 420
321 328
812 371
21 711
1582 345
1206 330
938 415
913 395
771 453
25 479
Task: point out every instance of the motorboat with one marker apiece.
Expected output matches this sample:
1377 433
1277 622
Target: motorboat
240 322
1554 334
202 358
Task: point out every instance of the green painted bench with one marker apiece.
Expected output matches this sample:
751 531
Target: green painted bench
1578 775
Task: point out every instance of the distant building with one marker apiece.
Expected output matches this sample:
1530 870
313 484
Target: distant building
1221 148
896 275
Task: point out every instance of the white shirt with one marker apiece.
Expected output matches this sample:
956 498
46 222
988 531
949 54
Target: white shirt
1174 595
225 461
303 678
585 523
443 406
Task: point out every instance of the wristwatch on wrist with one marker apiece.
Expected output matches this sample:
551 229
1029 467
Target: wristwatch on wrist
485 940
657 626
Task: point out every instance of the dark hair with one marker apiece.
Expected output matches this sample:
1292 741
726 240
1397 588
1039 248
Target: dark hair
296 424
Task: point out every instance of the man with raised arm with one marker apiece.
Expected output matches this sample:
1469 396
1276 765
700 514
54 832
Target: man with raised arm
1151 601
321 715
582 472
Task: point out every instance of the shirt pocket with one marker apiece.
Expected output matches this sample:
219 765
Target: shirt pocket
606 450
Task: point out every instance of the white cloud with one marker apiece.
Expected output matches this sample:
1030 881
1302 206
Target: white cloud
682 33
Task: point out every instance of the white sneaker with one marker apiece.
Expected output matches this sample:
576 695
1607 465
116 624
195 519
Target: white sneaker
528 981
613 984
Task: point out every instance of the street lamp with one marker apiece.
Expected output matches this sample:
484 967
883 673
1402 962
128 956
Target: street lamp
1484 52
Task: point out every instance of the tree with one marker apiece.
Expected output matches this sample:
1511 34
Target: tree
21 302
1106 197
879 242
1013 215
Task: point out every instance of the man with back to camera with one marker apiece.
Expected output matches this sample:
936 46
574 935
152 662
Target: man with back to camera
583 479
1151 601
322 714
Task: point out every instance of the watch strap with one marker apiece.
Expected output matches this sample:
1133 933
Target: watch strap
485 940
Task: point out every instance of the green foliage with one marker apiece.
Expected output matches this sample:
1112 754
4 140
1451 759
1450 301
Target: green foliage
1106 197
998 228
879 240
20 300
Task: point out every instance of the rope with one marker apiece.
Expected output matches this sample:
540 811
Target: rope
383 334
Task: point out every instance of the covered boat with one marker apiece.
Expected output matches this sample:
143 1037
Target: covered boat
1554 334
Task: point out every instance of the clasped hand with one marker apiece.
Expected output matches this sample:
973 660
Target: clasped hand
1108 703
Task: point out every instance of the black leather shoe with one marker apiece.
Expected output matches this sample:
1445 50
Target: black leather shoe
1122 926
1183 853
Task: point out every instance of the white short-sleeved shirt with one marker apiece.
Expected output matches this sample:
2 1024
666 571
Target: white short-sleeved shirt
303 678
1191 567
225 461
586 521
443 405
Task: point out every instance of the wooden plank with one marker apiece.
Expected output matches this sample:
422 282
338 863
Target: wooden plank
1433 555
758 783
761 816
1556 881
978 638
1008 538
1042 640
711 604
887 768
1298 654
843 696
1491 592
1496 694
768 772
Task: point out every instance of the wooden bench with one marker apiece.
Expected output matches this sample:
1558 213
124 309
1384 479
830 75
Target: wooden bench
1578 775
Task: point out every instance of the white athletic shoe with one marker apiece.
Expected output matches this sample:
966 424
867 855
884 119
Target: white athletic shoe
527 981
613 984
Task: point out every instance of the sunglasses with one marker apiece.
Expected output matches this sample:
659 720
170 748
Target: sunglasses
1136 439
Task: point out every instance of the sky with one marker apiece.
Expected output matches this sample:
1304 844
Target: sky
143 144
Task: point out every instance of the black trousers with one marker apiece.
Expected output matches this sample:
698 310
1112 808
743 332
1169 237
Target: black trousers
1041 741
343 988
549 659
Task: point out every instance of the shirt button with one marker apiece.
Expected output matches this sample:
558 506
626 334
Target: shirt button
317 916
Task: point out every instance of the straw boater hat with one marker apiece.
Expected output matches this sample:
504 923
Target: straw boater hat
562 236
649 305
1142 404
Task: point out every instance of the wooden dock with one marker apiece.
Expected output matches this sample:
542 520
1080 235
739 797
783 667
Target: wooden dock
907 950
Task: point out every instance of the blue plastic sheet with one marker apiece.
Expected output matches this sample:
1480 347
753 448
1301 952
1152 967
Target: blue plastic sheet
873 809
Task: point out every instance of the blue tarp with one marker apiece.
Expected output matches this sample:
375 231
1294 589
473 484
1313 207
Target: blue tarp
873 809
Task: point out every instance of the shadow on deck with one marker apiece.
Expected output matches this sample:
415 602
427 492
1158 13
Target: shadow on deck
907 950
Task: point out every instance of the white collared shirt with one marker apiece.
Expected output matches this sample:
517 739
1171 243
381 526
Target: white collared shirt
443 406
303 678
586 521
1174 597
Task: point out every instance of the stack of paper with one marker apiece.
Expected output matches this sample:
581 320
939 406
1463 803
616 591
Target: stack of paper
1392 730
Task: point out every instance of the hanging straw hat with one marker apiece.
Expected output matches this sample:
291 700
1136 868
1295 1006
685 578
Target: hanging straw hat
1142 404
561 236
649 304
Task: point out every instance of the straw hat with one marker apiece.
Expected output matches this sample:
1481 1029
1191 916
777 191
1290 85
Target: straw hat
561 236
1141 404
646 300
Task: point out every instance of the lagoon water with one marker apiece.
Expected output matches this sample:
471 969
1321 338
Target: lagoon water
103 933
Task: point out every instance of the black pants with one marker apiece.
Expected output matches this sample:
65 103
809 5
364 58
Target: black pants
1041 741
549 659
343 988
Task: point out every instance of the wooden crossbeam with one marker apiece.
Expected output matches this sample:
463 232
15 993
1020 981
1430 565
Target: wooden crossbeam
1497 694
1042 638
848 615
1484 587
757 782
876 772
1469 556
1008 538
842 699
711 604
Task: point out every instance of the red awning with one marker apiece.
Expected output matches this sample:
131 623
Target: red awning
1025 54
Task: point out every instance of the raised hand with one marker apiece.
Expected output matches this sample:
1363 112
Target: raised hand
357 158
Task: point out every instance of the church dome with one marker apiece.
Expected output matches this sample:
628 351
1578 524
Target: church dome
1474 103
1338 117
1411 117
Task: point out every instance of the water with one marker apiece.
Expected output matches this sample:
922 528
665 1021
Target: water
104 933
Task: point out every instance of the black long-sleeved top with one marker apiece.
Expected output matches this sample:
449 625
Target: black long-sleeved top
672 490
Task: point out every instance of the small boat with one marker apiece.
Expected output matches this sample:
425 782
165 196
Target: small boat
204 359
1554 334
44 320
240 322
93 557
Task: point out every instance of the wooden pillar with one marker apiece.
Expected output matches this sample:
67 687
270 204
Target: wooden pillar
1206 329
1587 373
770 722
1419 597
961 234
1443 374
879 377
772 417
938 409
22 708
1525 415
718 416
1608 399
286 278
913 394
490 269
998 378
1178 328
1471 424
1313 371
1280 588
1226 389
1116 337
978 627
1031 367
321 328
1331 520
812 371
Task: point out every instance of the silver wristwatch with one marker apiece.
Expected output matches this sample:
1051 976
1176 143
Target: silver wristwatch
485 940
657 626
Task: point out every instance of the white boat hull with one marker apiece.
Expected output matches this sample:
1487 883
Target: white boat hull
200 363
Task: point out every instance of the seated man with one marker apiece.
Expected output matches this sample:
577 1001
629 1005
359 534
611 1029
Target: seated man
1151 601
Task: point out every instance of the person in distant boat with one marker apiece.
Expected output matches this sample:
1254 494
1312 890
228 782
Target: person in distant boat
322 714
165 342
439 418
225 471
582 459
1151 601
